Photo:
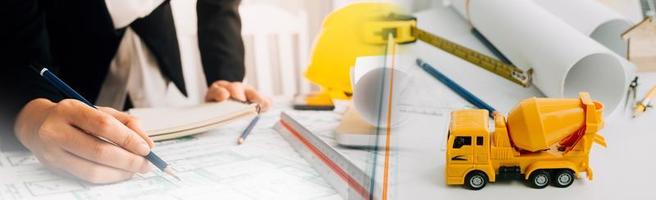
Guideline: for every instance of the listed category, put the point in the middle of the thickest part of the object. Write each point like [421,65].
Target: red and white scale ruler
[347,178]
[350,181]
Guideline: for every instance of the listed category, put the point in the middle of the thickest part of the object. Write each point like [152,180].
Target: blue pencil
[490,46]
[248,129]
[64,88]
[462,92]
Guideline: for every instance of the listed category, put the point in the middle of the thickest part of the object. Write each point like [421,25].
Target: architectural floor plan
[211,166]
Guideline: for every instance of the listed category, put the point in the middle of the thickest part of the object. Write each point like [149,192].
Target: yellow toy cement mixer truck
[544,141]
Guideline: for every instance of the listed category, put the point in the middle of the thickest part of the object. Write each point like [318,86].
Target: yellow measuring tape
[404,29]
[507,71]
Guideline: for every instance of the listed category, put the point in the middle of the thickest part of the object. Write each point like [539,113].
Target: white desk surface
[625,169]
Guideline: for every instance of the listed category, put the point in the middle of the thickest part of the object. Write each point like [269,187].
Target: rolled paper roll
[378,91]
[592,19]
[565,61]
[599,23]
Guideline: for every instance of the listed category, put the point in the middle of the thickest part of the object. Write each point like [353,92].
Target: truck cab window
[461,141]
[479,141]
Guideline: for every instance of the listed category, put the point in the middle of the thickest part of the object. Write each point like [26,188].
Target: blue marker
[64,88]
[462,92]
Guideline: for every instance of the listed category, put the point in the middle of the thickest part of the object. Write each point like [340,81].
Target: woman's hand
[65,136]
[223,90]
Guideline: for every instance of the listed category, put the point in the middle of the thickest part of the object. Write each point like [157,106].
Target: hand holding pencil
[100,145]
[64,137]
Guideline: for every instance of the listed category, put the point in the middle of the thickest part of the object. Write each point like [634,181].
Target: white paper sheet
[564,60]
[211,165]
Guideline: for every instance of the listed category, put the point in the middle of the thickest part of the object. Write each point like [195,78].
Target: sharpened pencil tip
[240,141]
[170,172]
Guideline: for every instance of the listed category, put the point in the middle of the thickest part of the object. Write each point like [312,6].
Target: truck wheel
[563,178]
[475,180]
[539,179]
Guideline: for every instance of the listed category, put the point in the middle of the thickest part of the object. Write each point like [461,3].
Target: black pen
[64,88]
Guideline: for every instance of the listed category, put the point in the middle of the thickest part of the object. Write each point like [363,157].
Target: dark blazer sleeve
[24,42]
[220,41]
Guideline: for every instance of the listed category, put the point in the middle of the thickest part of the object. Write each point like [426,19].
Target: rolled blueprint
[378,91]
[592,19]
[598,22]
[565,61]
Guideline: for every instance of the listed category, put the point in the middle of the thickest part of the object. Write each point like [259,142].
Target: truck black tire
[539,179]
[563,178]
[476,180]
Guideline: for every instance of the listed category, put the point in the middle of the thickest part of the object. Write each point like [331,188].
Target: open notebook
[175,122]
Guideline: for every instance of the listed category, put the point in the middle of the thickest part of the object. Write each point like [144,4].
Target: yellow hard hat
[340,42]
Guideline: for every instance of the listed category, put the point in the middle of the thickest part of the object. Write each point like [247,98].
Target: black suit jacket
[77,39]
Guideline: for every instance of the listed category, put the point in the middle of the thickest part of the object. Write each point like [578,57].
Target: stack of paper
[171,123]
